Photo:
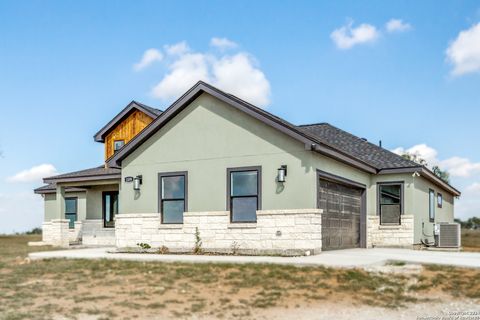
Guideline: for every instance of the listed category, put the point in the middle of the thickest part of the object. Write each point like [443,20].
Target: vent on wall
[447,235]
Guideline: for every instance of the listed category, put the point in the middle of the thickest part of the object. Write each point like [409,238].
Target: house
[243,180]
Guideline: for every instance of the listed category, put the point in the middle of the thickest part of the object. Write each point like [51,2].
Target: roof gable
[134,105]
[283,126]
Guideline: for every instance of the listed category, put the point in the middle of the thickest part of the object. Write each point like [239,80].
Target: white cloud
[473,188]
[34,174]
[346,37]
[237,73]
[177,48]
[422,151]
[149,56]
[460,167]
[223,43]
[464,52]
[397,25]
[469,203]
[184,73]
[456,166]
[20,212]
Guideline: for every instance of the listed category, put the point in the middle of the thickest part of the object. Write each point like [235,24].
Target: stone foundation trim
[239,225]
[284,232]
[56,232]
[95,234]
[397,236]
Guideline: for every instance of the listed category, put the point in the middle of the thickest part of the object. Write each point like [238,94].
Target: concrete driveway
[350,258]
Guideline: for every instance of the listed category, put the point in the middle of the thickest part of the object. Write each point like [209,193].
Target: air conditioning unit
[447,235]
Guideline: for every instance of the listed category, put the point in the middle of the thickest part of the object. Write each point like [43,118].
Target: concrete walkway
[350,258]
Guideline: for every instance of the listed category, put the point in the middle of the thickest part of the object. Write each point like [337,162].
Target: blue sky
[67,67]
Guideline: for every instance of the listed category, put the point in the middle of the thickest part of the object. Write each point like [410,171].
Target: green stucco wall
[50,206]
[421,202]
[89,203]
[208,137]
[94,200]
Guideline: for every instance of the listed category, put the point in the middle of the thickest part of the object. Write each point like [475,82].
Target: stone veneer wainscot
[282,232]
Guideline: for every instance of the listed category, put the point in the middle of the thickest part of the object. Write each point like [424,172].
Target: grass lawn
[471,240]
[106,289]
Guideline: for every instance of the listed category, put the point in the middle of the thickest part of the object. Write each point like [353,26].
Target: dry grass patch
[471,240]
[126,289]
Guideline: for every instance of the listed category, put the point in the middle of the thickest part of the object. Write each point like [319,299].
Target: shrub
[198,242]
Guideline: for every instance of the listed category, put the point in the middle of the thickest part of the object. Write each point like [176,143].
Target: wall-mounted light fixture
[282,173]
[137,182]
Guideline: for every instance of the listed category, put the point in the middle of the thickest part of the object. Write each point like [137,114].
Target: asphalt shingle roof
[152,110]
[92,172]
[354,146]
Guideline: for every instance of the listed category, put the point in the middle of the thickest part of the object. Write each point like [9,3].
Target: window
[390,202]
[439,200]
[110,208]
[431,205]
[117,144]
[173,200]
[71,211]
[243,199]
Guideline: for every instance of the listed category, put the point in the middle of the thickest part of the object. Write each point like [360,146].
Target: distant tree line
[34,231]
[471,223]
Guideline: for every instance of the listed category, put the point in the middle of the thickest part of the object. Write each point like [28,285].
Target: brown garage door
[341,206]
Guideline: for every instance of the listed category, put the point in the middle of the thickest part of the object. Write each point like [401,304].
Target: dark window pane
[172,211]
[390,214]
[173,187]
[390,194]
[72,218]
[110,203]
[108,209]
[70,205]
[244,209]
[118,144]
[432,205]
[243,183]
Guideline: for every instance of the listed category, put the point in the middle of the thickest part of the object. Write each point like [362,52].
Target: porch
[80,207]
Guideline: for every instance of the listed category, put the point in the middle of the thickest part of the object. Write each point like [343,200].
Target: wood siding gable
[126,130]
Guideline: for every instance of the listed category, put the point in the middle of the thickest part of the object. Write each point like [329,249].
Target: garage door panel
[341,215]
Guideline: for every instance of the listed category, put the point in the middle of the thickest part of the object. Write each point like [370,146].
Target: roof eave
[426,173]
[84,178]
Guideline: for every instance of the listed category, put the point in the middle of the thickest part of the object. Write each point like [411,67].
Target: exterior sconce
[282,173]
[137,182]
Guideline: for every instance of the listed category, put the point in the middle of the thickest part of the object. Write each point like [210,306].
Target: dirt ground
[105,289]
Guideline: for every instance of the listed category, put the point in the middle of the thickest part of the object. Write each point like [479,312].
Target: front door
[110,208]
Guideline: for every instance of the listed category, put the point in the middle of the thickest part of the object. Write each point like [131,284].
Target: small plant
[198,242]
[144,246]
[235,246]
[163,250]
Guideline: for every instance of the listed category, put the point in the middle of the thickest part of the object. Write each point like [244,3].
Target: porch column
[57,233]
[60,205]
